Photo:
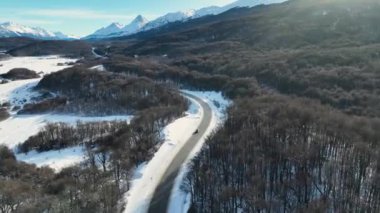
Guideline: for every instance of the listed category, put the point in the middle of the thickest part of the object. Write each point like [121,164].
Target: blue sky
[82,17]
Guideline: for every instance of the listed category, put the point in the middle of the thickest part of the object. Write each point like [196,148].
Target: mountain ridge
[116,29]
[12,29]
[181,16]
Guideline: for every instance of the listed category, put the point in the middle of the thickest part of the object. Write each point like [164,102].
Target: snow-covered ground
[45,64]
[18,128]
[19,92]
[56,159]
[98,68]
[176,134]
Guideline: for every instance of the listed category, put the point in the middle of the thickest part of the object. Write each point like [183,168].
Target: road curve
[161,197]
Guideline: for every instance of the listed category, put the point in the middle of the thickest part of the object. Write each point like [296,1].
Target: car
[196,132]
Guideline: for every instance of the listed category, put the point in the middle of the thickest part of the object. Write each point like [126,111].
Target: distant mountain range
[141,24]
[117,29]
[10,29]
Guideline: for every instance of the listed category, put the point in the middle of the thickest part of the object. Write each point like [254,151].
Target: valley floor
[19,128]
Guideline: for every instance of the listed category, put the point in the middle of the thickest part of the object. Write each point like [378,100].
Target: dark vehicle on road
[196,132]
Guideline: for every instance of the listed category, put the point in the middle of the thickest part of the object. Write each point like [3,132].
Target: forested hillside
[304,76]
[11,43]
[325,50]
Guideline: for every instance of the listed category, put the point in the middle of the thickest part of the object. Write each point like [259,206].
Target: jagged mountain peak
[117,25]
[117,29]
[138,22]
[140,18]
[135,26]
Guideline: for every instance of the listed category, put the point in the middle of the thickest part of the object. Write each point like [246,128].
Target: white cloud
[78,14]
[26,21]
[222,2]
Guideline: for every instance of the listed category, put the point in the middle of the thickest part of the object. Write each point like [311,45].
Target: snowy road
[161,196]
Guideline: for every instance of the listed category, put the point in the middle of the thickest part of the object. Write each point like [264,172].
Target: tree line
[55,136]
[3,113]
[180,75]
[88,92]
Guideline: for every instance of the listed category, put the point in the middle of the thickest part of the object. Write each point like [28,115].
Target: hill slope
[324,50]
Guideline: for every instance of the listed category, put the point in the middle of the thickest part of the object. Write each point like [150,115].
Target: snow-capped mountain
[136,25]
[116,29]
[169,18]
[106,31]
[139,24]
[144,25]
[214,10]
[10,29]
[62,36]
[250,3]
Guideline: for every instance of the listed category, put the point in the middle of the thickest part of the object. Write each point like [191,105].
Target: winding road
[161,197]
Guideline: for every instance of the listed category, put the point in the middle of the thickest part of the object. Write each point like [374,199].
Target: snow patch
[56,159]
[98,68]
[44,64]
[19,92]
[18,128]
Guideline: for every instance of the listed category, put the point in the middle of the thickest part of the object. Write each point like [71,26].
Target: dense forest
[11,43]
[151,66]
[87,92]
[75,49]
[276,154]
